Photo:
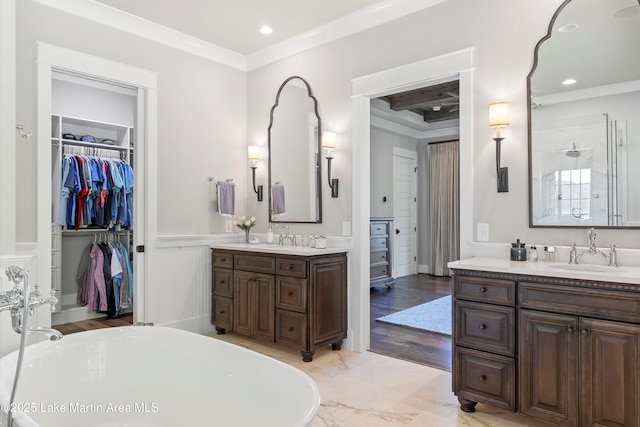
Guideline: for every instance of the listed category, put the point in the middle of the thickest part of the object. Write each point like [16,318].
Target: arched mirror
[584,117]
[294,155]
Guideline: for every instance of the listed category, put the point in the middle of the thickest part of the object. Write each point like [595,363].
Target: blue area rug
[432,316]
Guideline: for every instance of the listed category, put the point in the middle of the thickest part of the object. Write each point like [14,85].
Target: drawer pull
[483,289]
[291,329]
[483,377]
[221,282]
[570,329]
[290,293]
[382,243]
[483,326]
[223,259]
[290,267]
[222,312]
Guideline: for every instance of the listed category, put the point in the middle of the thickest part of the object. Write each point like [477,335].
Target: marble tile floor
[372,390]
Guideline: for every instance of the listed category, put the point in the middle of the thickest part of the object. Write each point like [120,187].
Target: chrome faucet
[284,237]
[574,256]
[591,241]
[17,299]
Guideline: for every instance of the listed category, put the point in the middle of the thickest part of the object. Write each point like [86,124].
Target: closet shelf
[56,141]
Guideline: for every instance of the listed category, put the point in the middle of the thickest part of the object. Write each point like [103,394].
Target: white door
[405,257]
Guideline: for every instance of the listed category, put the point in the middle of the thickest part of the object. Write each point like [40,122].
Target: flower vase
[246,236]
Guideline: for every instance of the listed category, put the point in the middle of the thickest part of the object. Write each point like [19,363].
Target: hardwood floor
[417,346]
[87,325]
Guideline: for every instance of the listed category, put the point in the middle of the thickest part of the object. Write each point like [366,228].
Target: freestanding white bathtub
[154,376]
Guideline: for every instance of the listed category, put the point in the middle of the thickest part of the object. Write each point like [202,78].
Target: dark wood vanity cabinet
[297,301]
[571,346]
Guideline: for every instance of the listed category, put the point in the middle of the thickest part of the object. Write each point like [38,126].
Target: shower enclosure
[579,171]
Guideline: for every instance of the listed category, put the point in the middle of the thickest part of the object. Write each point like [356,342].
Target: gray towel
[226,198]
[277,199]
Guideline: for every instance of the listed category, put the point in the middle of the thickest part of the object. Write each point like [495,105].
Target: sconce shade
[329,140]
[499,114]
[253,152]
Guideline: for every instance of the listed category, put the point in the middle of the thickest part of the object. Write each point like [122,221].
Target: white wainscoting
[180,288]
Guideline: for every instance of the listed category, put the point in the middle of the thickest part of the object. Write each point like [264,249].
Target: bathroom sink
[588,268]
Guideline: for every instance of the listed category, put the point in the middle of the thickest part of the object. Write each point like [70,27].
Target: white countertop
[602,273]
[277,249]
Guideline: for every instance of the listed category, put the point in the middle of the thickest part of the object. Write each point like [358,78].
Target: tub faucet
[18,298]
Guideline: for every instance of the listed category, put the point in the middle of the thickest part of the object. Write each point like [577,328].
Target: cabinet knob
[483,377]
[290,267]
[290,293]
[223,259]
[221,282]
[483,289]
[483,326]
[222,312]
[570,329]
[585,332]
[291,329]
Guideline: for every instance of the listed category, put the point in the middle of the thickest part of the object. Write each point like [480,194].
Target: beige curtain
[444,206]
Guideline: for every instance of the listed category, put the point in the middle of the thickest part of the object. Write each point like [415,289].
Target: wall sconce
[329,143]
[253,152]
[498,118]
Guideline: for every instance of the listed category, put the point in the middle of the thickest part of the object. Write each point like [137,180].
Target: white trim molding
[363,19]
[458,64]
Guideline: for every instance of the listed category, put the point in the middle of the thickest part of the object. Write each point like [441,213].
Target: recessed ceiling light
[567,28]
[569,82]
[265,29]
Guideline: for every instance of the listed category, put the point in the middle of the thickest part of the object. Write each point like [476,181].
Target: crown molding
[120,20]
[352,23]
[347,25]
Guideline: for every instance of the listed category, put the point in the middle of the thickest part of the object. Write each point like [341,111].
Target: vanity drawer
[485,377]
[486,290]
[222,312]
[378,229]
[613,305]
[379,271]
[291,328]
[222,260]
[485,327]
[291,267]
[291,294]
[222,282]
[257,263]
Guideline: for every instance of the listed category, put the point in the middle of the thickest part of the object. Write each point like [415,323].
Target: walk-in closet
[92,184]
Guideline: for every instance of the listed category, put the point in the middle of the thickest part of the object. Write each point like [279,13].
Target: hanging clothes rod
[91,232]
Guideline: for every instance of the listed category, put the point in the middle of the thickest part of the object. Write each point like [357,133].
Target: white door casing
[406,77]
[51,58]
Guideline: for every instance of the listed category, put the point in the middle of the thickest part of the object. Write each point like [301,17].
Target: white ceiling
[235,24]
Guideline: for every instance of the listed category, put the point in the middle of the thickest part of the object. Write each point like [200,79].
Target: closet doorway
[86,120]
[92,190]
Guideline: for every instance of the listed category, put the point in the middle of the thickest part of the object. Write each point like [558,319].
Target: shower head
[573,152]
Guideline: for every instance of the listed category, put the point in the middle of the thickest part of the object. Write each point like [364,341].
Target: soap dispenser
[269,234]
[518,251]
[533,253]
